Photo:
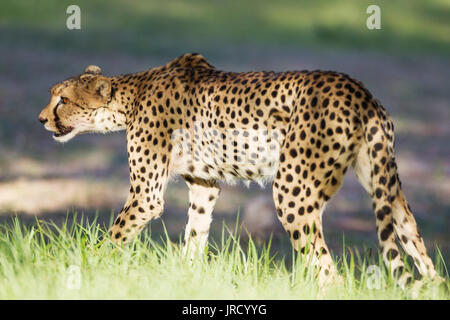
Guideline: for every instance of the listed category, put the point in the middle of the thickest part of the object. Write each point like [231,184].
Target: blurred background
[405,65]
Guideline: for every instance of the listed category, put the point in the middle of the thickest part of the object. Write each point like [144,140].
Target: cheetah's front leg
[134,216]
[148,179]
[202,198]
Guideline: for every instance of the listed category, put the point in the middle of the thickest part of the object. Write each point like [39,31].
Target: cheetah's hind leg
[300,193]
[202,198]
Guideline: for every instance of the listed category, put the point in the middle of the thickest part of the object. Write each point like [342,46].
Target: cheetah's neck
[125,90]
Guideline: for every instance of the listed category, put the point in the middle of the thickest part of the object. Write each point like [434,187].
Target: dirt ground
[90,174]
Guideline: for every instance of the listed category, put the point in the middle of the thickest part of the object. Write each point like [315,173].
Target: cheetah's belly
[258,171]
[244,155]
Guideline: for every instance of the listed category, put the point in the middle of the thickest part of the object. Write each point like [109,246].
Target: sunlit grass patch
[76,261]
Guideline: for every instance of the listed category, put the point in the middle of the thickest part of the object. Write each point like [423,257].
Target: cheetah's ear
[102,87]
[95,70]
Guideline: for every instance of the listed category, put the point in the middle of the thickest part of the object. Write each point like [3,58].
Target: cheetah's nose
[42,120]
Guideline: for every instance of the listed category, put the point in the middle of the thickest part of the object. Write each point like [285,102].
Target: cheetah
[301,130]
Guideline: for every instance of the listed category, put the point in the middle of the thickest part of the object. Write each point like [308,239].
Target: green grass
[39,261]
[160,27]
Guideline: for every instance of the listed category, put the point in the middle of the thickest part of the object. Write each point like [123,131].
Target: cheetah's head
[82,104]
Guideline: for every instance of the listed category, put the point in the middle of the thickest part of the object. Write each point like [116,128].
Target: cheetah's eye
[64,100]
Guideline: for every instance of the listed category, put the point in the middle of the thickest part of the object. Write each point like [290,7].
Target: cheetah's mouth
[62,131]
[65,134]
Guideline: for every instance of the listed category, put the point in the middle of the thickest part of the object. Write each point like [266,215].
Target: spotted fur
[303,129]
